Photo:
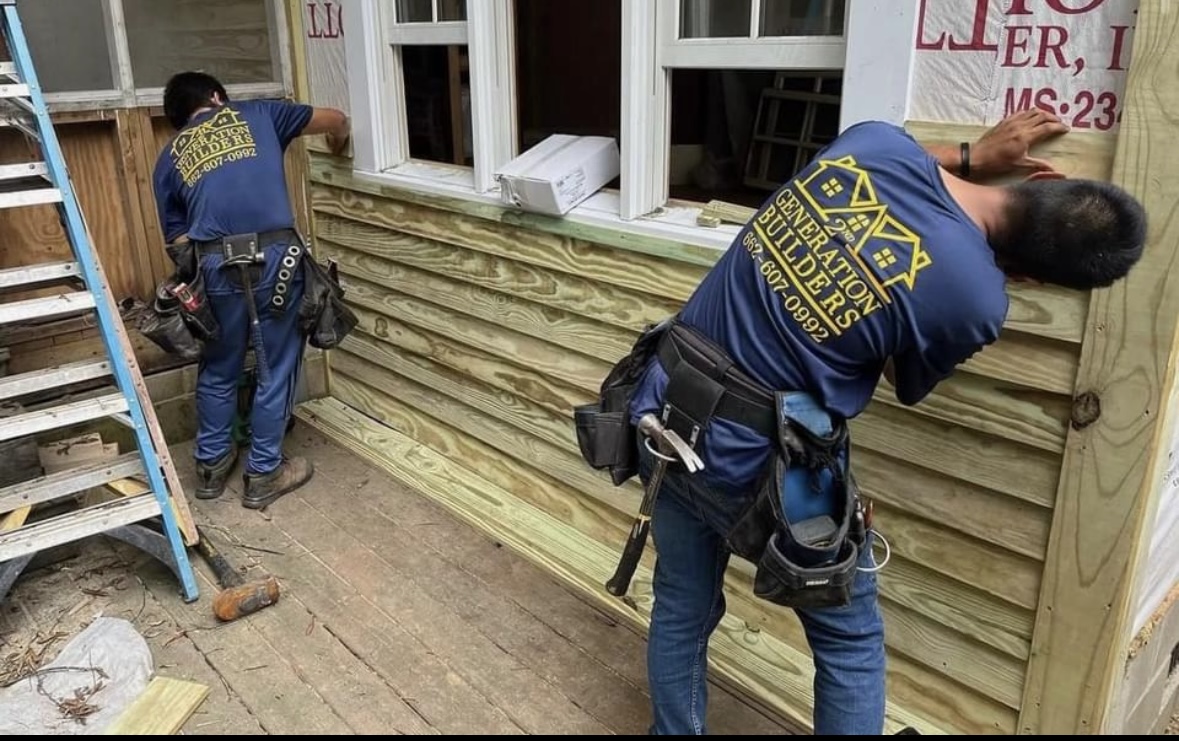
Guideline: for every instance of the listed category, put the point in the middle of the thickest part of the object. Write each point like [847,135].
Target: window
[707,98]
[97,53]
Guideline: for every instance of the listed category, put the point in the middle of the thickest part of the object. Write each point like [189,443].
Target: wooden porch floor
[395,617]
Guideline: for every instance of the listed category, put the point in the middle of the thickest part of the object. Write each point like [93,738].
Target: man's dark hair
[1075,233]
[188,92]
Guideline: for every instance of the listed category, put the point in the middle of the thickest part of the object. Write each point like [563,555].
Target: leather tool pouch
[806,559]
[323,316]
[605,435]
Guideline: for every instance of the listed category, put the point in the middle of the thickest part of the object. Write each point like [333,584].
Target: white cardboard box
[559,173]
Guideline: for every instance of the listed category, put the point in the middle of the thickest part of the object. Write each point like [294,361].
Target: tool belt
[248,250]
[804,539]
[324,318]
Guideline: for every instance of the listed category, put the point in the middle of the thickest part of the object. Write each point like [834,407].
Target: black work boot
[212,477]
[262,489]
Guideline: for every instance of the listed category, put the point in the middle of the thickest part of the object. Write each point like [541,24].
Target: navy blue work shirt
[222,174]
[863,256]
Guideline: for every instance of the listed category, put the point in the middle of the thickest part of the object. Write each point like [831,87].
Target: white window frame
[377,87]
[877,66]
[125,94]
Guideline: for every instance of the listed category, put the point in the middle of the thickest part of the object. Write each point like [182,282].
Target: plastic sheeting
[112,645]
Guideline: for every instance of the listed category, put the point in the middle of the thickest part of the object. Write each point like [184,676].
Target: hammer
[237,598]
[669,447]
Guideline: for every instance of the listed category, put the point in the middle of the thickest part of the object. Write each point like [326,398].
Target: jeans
[847,642]
[222,364]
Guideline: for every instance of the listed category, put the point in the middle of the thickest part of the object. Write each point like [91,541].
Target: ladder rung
[41,308]
[34,274]
[77,525]
[8,69]
[49,378]
[23,170]
[17,90]
[31,423]
[69,481]
[25,127]
[33,197]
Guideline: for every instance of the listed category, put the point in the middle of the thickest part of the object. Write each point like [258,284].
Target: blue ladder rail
[91,272]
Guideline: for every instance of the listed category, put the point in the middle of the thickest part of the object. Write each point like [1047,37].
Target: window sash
[651,49]
[126,94]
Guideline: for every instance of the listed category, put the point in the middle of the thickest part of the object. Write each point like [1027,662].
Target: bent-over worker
[220,184]
[879,258]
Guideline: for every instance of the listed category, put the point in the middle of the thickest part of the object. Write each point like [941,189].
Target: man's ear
[1046,175]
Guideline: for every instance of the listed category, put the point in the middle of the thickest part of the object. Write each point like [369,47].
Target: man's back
[222,174]
[864,256]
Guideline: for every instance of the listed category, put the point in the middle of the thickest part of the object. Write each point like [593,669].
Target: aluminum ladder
[125,396]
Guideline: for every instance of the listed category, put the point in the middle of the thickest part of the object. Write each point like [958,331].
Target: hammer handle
[637,539]
[226,575]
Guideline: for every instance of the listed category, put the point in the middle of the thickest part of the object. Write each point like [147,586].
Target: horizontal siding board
[571,331]
[543,390]
[993,570]
[959,452]
[573,368]
[1012,523]
[595,299]
[601,522]
[968,611]
[638,272]
[1017,413]
[1030,361]
[924,639]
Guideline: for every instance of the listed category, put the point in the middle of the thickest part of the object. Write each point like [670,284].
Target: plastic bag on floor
[97,676]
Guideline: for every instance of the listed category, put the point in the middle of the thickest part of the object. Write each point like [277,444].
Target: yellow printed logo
[832,251]
[226,137]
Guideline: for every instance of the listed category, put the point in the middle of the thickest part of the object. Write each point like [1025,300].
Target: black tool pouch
[324,318]
[201,321]
[810,563]
[162,323]
[605,435]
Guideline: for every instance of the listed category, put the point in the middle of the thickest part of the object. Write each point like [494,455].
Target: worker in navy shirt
[222,175]
[876,259]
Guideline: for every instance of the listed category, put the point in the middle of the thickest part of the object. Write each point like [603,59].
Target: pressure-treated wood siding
[477,337]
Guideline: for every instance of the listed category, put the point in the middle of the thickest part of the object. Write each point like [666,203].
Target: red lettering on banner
[1115,62]
[332,16]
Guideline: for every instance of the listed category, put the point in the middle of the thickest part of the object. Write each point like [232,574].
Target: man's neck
[984,204]
[205,109]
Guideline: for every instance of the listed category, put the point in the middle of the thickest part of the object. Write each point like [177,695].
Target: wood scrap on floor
[161,710]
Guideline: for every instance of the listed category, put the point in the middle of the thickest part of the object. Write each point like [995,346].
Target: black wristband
[964,165]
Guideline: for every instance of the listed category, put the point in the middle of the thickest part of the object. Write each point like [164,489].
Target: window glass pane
[802,17]
[69,44]
[415,11]
[452,10]
[229,39]
[714,18]
[737,135]
[563,48]
[438,103]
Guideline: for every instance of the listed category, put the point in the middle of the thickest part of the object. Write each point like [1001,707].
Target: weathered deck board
[410,668]
[563,550]
[603,639]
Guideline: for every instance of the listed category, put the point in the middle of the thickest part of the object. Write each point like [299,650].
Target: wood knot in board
[1086,410]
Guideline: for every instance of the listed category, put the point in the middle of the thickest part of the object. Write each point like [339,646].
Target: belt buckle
[242,249]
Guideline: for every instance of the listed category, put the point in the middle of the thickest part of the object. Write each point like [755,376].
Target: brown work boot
[262,489]
[212,477]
